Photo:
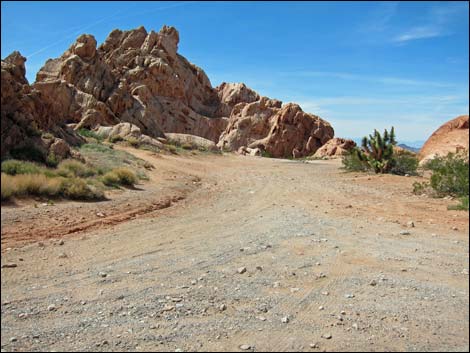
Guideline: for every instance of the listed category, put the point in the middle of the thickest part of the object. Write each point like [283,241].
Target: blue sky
[359,65]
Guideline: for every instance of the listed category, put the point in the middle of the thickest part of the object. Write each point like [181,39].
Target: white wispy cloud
[436,22]
[419,33]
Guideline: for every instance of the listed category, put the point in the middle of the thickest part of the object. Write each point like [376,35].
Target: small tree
[377,151]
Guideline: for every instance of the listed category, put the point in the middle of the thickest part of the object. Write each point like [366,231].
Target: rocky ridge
[138,77]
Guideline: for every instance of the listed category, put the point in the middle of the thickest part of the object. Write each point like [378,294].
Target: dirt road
[256,254]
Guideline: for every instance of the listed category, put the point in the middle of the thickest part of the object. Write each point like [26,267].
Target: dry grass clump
[119,176]
[22,185]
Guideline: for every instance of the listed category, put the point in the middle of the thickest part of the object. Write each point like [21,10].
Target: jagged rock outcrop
[26,111]
[450,137]
[335,148]
[137,77]
[281,131]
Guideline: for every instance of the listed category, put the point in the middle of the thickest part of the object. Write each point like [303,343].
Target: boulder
[450,137]
[195,142]
[335,148]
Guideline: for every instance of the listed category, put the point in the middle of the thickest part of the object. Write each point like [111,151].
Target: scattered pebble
[245,347]
[285,320]
[373,282]
[103,274]
[13,339]
[349,296]
[241,270]
[51,307]
[223,307]
[327,336]
[405,232]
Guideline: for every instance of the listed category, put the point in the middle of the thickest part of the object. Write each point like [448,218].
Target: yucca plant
[377,151]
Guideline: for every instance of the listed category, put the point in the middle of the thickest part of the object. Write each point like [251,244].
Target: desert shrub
[51,160]
[420,188]
[172,149]
[377,151]
[13,167]
[6,187]
[78,189]
[90,134]
[70,167]
[134,142]
[30,184]
[187,146]
[462,206]
[119,176]
[110,179]
[115,138]
[266,154]
[126,176]
[404,163]
[29,152]
[352,163]
[450,175]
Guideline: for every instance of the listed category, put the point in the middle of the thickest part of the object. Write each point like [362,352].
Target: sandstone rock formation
[450,137]
[255,152]
[281,131]
[196,142]
[335,148]
[137,77]
[25,111]
[127,132]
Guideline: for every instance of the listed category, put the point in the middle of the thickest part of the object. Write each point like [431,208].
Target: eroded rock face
[450,137]
[26,111]
[335,148]
[281,131]
[137,77]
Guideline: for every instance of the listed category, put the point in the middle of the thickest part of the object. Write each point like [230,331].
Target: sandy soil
[327,267]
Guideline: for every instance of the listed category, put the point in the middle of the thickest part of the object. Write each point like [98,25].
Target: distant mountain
[409,148]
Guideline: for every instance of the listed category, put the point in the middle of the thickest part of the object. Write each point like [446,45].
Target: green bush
[187,146]
[52,160]
[115,138]
[266,154]
[90,134]
[462,206]
[13,167]
[450,175]
[377,151]
[133,142]
[352,163]
[404,163]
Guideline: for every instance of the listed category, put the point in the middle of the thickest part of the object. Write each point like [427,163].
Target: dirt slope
[309,236]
